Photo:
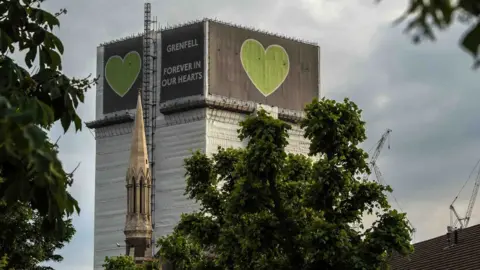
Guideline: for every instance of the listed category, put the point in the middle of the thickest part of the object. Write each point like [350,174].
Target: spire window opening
[142,198]
[128,198]
[131,195]
[134,197]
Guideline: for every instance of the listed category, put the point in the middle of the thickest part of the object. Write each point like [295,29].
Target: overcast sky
[426,94]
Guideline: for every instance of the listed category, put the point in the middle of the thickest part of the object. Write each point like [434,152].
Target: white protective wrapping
[176,136]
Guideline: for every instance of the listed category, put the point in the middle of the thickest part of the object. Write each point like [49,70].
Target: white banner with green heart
[121,73]
[266,68]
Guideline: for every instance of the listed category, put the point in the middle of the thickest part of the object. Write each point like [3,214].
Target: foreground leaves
[31,101]
[426,18]
[3,262]
[26,242]
[262,208]
[127,263]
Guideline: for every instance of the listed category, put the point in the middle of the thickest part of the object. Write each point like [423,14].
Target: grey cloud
[433,97]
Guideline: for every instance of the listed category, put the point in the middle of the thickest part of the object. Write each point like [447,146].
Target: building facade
[200,112]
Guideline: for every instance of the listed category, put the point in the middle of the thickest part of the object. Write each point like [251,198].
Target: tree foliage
[31,101]
[3,262]
[127,263]
[426,18]
[120,263]
[34,95]
[262,208]
[25,242]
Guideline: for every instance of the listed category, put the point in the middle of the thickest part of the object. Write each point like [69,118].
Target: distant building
[198,81]
[456,250]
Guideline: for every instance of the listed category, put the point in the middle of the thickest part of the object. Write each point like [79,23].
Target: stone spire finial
[138,152]
[138,224]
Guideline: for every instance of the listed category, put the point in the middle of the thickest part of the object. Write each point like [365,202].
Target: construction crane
[377,149]
[376,153]
[455,218]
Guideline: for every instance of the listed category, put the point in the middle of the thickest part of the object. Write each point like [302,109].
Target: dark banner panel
[122,74]
[182,62]
[254,66]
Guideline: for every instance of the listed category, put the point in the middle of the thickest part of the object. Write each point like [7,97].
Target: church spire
[138,222]
[138,151]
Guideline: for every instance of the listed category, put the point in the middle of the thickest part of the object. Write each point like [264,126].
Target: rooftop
[187,23]
[440,253]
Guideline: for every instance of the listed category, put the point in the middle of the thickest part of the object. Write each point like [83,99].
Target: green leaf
[35,136]
[74,100]
[38,15]
[58,43]
[50,19]
[78,122]
[39,37]
[47,112]
[66,121]
[22,117]
[47,60]
[56,61]
[43,60]
[5,41]
[471,40]
[30,56]
[81,97]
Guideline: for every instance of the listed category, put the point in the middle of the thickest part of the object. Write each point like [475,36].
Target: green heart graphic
[121,74]
[267,69]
